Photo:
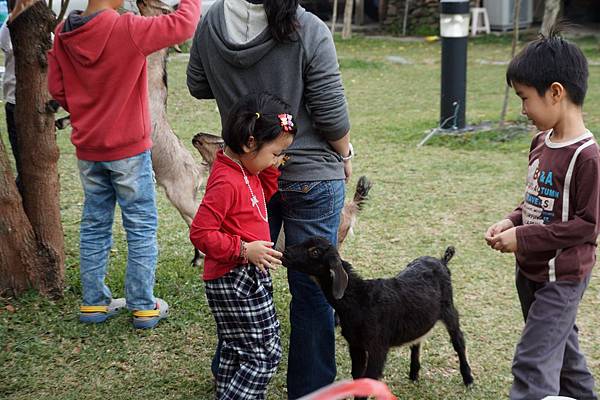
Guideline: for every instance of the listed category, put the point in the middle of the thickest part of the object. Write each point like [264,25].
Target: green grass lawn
[423,199]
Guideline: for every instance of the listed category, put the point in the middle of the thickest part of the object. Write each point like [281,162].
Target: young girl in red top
[231,228]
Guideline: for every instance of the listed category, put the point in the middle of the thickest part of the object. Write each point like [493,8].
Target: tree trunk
[516,18]
[551,10]
[38,153]
[382,11]
[334,16]
[17,241]
[347,29]
[405,18]
[359,12]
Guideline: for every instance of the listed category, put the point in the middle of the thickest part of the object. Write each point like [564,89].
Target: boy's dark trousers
[547,358]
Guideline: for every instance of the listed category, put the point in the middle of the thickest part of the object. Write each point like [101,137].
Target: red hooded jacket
[97,72]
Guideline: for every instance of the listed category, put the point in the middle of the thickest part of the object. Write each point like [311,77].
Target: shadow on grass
[513,136]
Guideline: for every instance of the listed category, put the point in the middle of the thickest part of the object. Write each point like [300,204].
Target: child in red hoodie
[97,72]
[231,227]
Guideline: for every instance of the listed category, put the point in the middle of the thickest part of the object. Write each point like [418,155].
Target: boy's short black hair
[255,115]
[551,59]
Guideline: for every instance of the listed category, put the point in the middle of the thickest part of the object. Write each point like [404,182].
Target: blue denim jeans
[130,182]
[308,209]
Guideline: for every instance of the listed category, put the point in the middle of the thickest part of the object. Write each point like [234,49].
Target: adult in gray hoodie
[243,47]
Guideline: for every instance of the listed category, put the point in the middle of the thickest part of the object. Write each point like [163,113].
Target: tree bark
[347,29]
[551,10]
[38,156]
[17,240]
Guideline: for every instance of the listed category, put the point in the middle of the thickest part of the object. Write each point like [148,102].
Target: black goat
[377,314]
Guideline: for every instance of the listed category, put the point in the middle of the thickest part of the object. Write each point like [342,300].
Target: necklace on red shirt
[253,198]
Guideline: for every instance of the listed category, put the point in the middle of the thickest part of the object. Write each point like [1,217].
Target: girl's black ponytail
[281,16]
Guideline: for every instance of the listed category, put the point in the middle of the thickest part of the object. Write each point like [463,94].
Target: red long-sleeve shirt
[97,72]
[227,216]
[559,219]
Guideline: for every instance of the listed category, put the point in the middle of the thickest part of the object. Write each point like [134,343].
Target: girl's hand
[262,254]
[497,229]
[506,242]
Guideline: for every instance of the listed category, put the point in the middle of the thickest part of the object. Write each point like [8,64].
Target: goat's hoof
[197,261]
[468,381]
[413,377]
[63,122]
[52,106]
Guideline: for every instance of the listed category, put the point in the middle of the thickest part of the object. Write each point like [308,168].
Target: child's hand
[262,254]
[506,242]
[497,229]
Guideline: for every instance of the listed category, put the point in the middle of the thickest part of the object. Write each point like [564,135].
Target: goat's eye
[314,252]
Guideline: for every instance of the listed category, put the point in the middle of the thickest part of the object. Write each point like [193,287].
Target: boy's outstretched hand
[502,236]
[262,254]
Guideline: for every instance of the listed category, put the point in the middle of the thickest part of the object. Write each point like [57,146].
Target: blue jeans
[308,209]
[130,182]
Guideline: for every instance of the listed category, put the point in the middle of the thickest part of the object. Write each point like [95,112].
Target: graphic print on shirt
[540,196]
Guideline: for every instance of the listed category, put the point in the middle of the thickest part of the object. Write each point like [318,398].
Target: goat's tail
[362,191]
[448,255]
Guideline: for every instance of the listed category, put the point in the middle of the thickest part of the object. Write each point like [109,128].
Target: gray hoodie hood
[85,38]
[239,55]
[76,19]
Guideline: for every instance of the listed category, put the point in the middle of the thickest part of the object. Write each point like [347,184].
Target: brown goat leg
[174,167]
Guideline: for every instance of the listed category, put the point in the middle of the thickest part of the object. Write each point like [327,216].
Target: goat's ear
[346,265]
[340,279]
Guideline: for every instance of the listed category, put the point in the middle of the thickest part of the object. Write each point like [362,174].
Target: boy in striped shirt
[553,231]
